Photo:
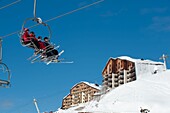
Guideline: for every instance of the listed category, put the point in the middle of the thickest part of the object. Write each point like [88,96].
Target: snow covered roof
[67,96]
[89,84]
[96,86]
[138,61]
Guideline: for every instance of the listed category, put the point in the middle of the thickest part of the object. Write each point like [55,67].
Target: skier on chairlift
[41,43]
[50,51]
[29,39]
[34,40]
[46,51]
[25,39]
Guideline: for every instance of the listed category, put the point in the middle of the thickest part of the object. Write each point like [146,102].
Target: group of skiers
[29,39]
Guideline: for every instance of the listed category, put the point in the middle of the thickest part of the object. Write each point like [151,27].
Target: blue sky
[139,29]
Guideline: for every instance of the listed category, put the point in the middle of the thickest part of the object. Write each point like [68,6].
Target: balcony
[116,80]
[121,72]
[105,83]
[116,85]
[110,80]
[106,76]
[110,85]
[129,76]
[133,74]
[121,82]
[129,80]
[116,75]
[134,78]
[110,76]
[132,70]
[105,79]
[121,77]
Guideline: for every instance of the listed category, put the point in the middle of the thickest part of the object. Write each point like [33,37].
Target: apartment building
[124,69]
[80,93]
[117,72]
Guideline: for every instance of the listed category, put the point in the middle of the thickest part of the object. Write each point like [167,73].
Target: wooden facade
[80,93]
[117,72]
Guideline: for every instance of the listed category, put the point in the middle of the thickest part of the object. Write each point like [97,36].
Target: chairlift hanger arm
[35,19]
[0,49]
[35,3]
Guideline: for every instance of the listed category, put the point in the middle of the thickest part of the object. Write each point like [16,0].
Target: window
[77,86]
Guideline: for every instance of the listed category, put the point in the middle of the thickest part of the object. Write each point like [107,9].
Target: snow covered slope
[151,92]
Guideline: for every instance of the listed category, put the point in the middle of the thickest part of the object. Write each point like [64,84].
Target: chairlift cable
[74,10]
[54,18]
[10,4]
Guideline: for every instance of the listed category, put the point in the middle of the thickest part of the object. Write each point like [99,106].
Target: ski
[54,58]
[60,61]
[47,48]
[59,54]
[36,58]
[64,62]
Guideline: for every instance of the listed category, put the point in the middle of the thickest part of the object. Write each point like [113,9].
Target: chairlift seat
[4,82]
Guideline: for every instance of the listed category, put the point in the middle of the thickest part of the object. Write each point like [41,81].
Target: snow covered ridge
[151,92]
[144,66]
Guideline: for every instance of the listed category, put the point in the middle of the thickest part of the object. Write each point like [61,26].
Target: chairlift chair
[6,72]
[38,22]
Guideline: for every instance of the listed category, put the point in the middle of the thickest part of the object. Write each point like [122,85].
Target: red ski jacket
[25,36]
[41,44]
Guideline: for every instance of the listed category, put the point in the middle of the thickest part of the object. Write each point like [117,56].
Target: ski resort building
[124,69]
[80,93]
